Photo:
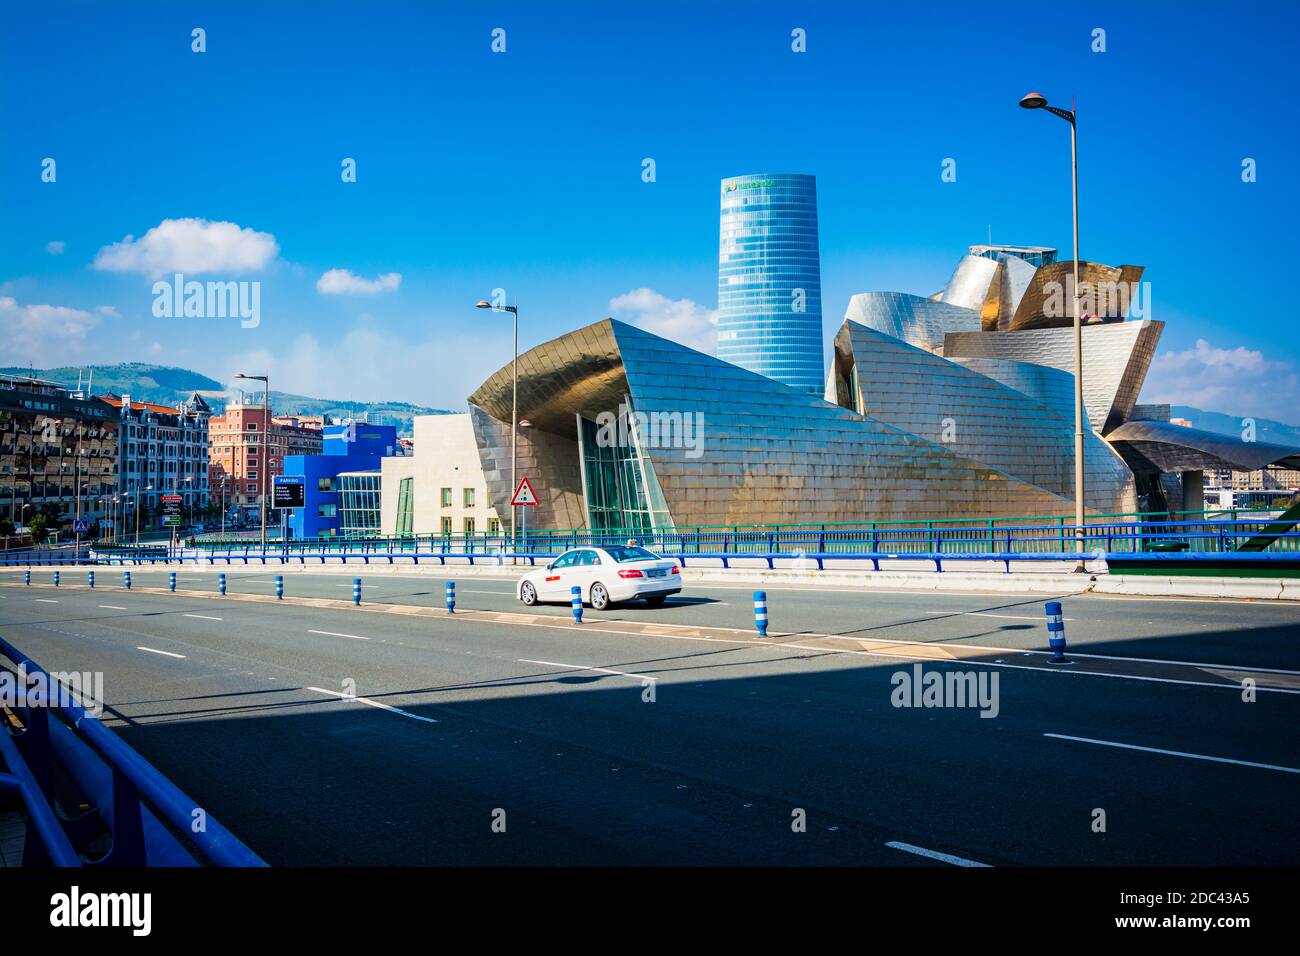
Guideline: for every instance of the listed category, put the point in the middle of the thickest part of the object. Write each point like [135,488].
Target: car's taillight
[676,569]
[630,573]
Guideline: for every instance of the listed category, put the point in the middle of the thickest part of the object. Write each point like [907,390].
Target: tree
[39,527]
[6,527]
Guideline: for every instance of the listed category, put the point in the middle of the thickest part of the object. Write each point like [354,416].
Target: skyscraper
[769,278]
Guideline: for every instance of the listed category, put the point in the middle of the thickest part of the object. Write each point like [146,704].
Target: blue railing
[149,821]
[1005,544]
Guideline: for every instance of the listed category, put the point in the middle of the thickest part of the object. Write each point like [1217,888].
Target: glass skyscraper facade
[769,279]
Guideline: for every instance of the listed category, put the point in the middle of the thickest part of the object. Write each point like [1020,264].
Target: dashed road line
[153,650]
[374,703]
[355,637]
[933,854]
[202,617]
[1176,753]
[584,667]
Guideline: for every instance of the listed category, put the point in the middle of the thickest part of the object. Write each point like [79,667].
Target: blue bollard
[451,597]
[27,577]
[56,579]
[577,603]
[221,583]
[90,579]
[760,612]
[171,580]
[356,591]
[1055,632]
[279,587]
[126,580]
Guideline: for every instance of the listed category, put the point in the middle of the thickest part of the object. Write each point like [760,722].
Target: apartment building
[162,450]
[247,448]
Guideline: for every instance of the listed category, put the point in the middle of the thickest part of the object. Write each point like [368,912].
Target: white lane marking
[163,653]
[355,637]
[1176,753]
[113,607]
[583,667]
[825,651]
[46,601]
[933,854]
[202,617]
[375,703]
[460,590]
[1005,617]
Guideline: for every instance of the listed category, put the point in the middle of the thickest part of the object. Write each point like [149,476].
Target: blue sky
[522,171]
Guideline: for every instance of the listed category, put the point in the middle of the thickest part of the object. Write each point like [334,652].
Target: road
[698,744]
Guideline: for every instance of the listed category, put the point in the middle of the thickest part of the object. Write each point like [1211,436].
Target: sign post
[288,492]
[524,496]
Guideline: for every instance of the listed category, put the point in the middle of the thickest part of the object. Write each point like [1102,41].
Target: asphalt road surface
[695,744]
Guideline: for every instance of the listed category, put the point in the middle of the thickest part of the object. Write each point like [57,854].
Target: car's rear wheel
[599,597]
[528,593]
[655,600]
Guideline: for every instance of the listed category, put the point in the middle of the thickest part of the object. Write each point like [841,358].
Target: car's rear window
[622,553]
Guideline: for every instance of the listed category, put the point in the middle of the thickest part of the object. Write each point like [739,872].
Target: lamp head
[1033,101]
[483,304]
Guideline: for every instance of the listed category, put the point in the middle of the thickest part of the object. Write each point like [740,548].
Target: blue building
[337,482]
[769,279]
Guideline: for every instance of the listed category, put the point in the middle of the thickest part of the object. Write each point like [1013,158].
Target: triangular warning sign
[524,494]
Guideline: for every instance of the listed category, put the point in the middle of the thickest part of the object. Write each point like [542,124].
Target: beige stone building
[440,489]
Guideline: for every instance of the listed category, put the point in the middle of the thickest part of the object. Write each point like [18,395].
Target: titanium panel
[1167,447]
[1116,358]
[982,419]
[916,320]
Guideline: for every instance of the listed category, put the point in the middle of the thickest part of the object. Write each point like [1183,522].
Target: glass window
[469,497]
[469,526]
[621,553]
[324,484]
[445,498]
[446,525]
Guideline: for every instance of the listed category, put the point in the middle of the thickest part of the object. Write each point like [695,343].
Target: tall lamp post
[514,411]
[137,509]
[261,458]
[1037,101]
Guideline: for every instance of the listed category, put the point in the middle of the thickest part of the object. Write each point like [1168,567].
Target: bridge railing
[64,756]
[1032,542]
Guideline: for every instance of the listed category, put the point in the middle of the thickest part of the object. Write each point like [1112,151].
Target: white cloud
[343,282]
[190,246]
[681,320]
[42,334]
[54,248]
[369,363]
[109,311]
[1235,381]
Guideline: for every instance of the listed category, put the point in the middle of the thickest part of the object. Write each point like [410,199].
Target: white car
[606,575]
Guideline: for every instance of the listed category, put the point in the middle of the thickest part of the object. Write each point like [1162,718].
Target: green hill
[167,385]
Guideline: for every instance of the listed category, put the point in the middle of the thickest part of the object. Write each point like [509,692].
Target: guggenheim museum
[959,405]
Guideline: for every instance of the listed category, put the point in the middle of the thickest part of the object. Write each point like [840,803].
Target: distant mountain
[167,385]
[1266,430]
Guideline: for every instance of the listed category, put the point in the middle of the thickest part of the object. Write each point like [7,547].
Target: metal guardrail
[149,820]
[1033,542]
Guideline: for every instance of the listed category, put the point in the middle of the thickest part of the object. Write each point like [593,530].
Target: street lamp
[261,459]
[137,509]
[514,411]
[1037,101]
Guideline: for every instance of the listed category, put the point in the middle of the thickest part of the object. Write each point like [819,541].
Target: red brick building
[245,456]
